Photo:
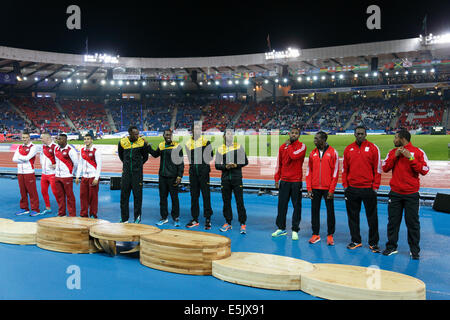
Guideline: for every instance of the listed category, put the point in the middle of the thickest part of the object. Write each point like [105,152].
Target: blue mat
[29,272]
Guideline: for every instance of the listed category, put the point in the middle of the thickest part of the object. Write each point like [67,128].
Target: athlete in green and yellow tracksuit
[230,159]
[133,152]
[170,174]
[200,154]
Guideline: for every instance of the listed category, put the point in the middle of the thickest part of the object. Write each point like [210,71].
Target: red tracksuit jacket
[405,173]
[290,162]
[361,166]
[323,172]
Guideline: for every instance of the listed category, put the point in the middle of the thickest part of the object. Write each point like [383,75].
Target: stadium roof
[41,69]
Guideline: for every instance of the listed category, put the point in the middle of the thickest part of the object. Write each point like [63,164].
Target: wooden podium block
[260,270]
[67,234]
[344,282]
[105,235]
[2,220]
[18,232]
[183,251]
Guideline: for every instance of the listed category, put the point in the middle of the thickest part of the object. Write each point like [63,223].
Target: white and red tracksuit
[47,159]
[323,170]
[321,178]
[89,169]
[365,164]
[405,172]
[25,156]
[404,195]
[289,174]
[66,164]
[361,175]
[290,162]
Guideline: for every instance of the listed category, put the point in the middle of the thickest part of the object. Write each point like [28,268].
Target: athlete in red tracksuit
[89,169]
[321,179]
[48,165]
[288,179]
[25,156]
[66,164]
[361,178]
[407,163]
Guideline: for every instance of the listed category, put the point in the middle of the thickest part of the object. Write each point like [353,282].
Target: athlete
[407,162]
[171,170]
[230,159]
[288,179]
[89,170]
[66,165]
[48,165]
[25,156]
[361,177]
[133,152]
[321,179]
[200,154]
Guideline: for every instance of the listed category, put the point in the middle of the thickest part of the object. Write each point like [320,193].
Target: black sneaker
[375,248]
[389,251]
[354,245]
[207,224]
[192,224]
[414,256]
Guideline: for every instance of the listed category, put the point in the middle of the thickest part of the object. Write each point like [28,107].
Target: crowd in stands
[376,113]
[156,114]
[333,116]
[421,112]
[257,116]
[43,113]
[295,112]
[10,120]
[86,115]
[187,114]
[151,115]
[220,114]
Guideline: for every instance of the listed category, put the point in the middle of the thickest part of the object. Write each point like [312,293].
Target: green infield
[436,147]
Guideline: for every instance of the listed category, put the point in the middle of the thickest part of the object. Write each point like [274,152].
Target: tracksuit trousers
[46,181]
[200,183]
[166,187]
[318,194]
[289,191]
[27,186]
[410,204]
[131,182]
[64,191]
[233,186]
[88,198]
[353,198]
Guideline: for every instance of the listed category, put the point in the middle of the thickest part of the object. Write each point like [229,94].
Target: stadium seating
[219,114]
[156,114]
[333,116]
[86,115]
[421,112]
[10,121]
[43,113]
[376,113]
[256,116]
[293,113]
[187,114]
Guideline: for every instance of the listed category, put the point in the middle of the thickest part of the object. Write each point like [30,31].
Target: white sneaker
[162,221]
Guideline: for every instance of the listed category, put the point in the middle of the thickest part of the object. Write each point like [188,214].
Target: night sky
[214,28]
